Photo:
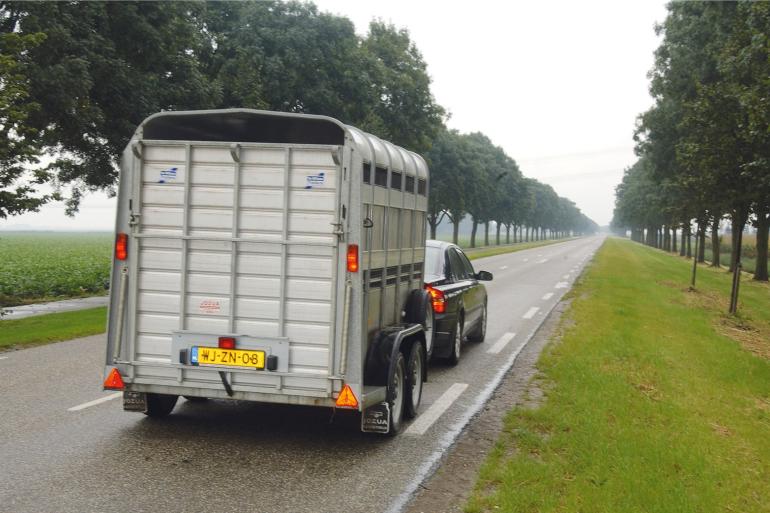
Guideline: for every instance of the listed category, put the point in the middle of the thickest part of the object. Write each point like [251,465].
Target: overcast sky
[557,84]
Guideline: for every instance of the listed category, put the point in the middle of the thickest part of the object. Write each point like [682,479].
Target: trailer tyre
[419,310]
[160,405]
[414,380]
[396,389]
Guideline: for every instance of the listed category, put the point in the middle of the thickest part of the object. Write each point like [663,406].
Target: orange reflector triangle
[346,399]
[114,381]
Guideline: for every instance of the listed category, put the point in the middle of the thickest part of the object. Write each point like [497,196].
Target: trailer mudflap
[135,401]
[376,418]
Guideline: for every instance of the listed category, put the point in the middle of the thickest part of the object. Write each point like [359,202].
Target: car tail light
[226,343]
[114,381]
[437,299]
[353,258]
[347,398]
[121,246]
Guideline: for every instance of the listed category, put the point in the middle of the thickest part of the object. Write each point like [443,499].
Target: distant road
[66,446]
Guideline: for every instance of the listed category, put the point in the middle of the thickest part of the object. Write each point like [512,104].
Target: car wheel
[480,331]
[414,379]
[396,387]
[160,405]
[457,342]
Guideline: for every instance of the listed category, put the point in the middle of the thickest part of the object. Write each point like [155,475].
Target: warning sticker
[168,175]
[210,306]
[314,180]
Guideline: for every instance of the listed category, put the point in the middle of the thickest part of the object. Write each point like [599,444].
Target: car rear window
[433,261]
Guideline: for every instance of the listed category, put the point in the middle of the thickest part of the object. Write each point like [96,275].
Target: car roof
[439,244]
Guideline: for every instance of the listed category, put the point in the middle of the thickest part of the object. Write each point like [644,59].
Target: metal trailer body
[238,224]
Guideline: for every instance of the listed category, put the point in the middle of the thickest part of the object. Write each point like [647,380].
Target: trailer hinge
[338,231]
[133,218]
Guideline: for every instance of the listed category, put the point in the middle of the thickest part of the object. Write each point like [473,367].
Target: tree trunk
[455,230]
[738,220]
[473,233]
[689,241]
[763,227]
[497,235]
[702,244]
[683,244]
[733,244]
[673,239]
[508,233]
[526,234]
[715,243]
[486,233]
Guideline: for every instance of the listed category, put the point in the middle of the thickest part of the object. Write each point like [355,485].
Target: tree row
[704,146]
[76,78]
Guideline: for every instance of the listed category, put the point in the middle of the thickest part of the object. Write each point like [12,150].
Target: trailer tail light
[121,246]
[437,299]
[114,381]
[226,343]
[347,398]
[352,258]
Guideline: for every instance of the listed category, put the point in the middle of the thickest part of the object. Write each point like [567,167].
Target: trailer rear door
[234,239]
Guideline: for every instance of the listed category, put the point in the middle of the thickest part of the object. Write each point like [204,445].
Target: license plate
[229,357]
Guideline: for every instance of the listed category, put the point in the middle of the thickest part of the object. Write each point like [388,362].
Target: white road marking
[561,285]
[504,267]
[548,296]
[566,276]
[525,260]
[96,401]
[530,313]
[3,357]
[431,415]
[501,343]
[542,261]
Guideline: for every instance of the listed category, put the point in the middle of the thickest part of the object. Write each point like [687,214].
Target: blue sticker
[168,174]
[314,180]
[194,355]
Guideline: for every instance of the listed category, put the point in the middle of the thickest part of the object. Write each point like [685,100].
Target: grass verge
[655,400]
[41,329]
[486,251]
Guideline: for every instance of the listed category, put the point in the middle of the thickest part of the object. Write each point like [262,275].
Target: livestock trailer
[270,257]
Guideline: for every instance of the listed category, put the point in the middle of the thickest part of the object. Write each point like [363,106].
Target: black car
[459,300]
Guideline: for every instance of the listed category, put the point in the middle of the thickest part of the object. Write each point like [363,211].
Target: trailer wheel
[414,379]
[419,310]
[396,388]
[457,342]
[160,405]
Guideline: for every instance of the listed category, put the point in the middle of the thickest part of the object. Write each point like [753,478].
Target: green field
[41,266]
[655,399]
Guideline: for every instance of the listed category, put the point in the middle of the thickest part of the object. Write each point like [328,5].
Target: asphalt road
[66,446]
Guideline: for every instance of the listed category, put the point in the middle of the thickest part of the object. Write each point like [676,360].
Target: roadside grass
[486,251]
[655,400]
[42,329]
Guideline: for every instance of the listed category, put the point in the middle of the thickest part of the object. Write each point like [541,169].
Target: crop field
[39,266]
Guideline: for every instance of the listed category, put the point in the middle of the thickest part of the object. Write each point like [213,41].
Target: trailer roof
[249,125]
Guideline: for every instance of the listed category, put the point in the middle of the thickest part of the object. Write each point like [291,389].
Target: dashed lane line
[501,343]
[431,415]
[548,296]
[502,268]
[566,276]
[96,401]
[561,285]
[530,313]
[542,261]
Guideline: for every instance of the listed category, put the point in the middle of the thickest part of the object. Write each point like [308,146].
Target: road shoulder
[448,489]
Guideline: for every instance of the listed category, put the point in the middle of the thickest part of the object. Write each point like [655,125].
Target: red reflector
[226,343]
[437,299]
[121,246]
[346,399]
[353,258]
[114,381]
